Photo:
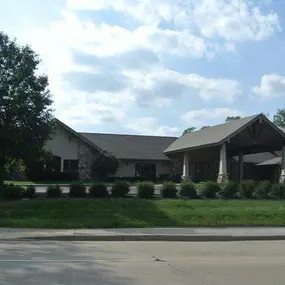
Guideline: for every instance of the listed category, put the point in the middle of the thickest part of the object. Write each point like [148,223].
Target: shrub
[29,192]
[145,190]
[262,190]
[11,192]
[98,190]
[53,191]
[169,190]
[77,191]
[246,189]
[188,190]
[120,189]
[208,189]
[228,190]
[277,191]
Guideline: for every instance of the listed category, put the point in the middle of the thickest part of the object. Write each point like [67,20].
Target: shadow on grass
[105,213]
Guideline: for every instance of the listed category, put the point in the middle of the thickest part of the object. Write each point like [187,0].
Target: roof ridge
[132,135]
[247,117]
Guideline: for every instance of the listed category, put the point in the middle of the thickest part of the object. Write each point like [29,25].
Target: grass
[124,213]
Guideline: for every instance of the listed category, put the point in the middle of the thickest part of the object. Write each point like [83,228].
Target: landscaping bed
[125,213]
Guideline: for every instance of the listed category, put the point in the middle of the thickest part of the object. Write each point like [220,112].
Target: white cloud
[208,116]
[164,83]
[235,20]
[125,69]
[150,126]
[271,85]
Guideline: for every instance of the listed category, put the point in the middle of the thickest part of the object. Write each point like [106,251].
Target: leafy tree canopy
[279,118]
[188,130]
[107,164]
[25,113]
[231,118]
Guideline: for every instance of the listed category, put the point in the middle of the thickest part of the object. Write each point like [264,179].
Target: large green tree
[25,103]
[279,118]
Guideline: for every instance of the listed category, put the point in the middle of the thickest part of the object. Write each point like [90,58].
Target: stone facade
[177,166]
[86,156]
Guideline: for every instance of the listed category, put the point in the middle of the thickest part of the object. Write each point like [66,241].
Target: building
[248,148]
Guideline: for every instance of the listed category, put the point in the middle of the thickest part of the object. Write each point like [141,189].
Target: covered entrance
[208,154]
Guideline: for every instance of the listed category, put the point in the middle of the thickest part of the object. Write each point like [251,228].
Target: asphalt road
[131,263]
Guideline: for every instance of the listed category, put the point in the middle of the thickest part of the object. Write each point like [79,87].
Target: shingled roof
[131,146]
[209,136]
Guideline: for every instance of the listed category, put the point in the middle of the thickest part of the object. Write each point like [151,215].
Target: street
[120,263]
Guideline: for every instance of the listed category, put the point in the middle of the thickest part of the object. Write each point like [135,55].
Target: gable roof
[132,146]
[216,135]
[78,135]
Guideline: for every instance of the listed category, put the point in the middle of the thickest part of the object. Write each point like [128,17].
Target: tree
[107,164]
[205,127]
[25,113]
[42,162]
[279,118]
[231,118]
[188,130]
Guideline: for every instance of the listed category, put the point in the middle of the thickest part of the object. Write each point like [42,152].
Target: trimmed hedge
[228,190]
[120,189]
[77,190]
[262,190]
[208,189]
[98,190]
[53,191]
[11,192]
[246,189]
[29,192]
[169,190]
[188,190]
[277,191]
[145,190]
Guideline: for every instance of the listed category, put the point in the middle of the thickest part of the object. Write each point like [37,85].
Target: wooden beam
[252,149]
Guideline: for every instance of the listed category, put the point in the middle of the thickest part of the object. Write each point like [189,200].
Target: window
[70,165]
[145,169]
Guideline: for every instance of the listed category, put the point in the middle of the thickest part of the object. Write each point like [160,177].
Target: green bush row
[247,189]
[16,192]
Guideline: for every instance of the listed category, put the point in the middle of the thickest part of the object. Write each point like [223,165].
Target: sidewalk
[145,234]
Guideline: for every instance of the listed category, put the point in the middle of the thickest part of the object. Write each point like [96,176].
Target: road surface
[131,263]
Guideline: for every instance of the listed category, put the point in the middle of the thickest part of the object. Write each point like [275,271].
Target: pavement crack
[186,273]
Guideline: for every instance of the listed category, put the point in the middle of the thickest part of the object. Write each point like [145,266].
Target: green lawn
[122,213]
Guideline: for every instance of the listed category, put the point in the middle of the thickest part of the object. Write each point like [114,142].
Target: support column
[282,172]
[240,166]
[186,176]
[223,172]
[61,164]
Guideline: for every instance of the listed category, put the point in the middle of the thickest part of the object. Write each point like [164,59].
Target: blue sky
[155,66]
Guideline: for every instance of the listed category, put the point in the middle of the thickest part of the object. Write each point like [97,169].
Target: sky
[154,67]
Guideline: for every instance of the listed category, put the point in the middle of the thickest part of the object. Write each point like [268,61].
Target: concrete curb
[146,237]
